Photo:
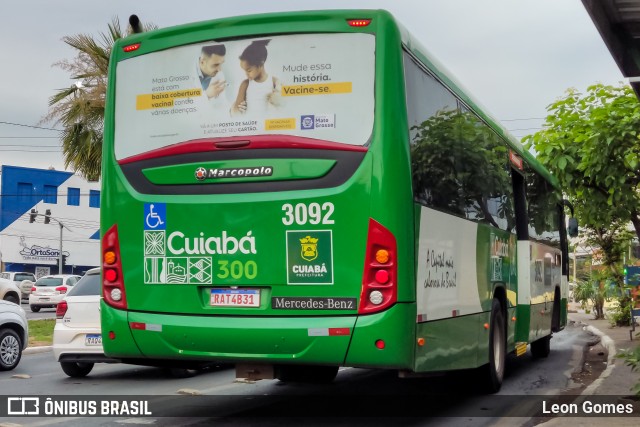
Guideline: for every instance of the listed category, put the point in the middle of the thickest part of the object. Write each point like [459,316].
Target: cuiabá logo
[309,250]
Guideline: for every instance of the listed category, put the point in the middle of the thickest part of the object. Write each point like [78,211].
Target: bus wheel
[181,372]
[541,348]
[76,370]
[307,374]
[555,316]
[493,372]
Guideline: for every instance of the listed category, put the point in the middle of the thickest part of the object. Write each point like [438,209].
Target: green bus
[297,192]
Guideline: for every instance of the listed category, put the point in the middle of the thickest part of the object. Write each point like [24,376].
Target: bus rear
[244,218]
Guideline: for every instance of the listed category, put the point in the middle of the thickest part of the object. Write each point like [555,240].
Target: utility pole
[47,219]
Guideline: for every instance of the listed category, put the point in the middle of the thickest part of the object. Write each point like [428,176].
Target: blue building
[37,207]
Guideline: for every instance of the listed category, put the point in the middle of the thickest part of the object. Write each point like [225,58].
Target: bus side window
[459,164]
[542,209]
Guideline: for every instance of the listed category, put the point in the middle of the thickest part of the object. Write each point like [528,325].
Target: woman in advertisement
[259,93]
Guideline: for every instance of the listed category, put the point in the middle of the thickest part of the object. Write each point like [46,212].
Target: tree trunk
[635,220]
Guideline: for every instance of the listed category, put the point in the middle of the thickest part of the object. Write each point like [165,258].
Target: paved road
[44,313]
[366,394]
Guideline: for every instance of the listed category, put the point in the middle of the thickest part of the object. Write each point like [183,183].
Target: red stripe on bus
[339,331]
[138,325]
[242,143]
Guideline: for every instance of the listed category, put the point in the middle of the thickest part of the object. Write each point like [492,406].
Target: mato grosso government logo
[309,257]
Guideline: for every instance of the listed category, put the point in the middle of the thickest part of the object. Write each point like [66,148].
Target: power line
[40,237]
[42,195]
[513,130]
[16,150]
[528,118]
[29,126]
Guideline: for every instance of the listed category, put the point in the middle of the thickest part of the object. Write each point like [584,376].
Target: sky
[515,57]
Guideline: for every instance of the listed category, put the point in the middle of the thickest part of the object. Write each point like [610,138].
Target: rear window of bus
[319,86]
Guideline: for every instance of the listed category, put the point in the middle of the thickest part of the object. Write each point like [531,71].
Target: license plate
[93,339]
[235,297]
[44,299]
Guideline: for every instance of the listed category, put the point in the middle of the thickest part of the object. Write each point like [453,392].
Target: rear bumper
[71,341]
[45,301]
[275,340]
[87,358]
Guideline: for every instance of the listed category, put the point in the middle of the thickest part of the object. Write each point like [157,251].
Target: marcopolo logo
[247,172]
[201,173]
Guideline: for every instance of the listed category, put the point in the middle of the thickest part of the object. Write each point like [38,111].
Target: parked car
[9,291]
[77,337]
[18,278]
[14,334]
[48,291]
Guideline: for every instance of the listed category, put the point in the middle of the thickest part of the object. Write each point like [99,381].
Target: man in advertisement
[211,77]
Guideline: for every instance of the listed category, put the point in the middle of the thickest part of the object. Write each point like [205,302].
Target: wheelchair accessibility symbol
[155,215]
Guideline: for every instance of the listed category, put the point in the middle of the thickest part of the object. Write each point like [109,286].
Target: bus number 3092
[303,213]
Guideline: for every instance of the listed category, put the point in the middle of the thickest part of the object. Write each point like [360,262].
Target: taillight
[61,289]
[131,47]
[33,289]
[358,22]
[380,278]
[112,279]
[61,309]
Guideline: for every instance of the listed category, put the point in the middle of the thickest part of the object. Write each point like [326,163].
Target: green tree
[591,143]
[79,109]
[593,293]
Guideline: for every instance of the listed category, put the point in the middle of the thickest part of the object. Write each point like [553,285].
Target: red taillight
[131,47]
[358,22]
[61,289]
[112,283]
[380,278]
[61,309]
[110,275]
[33,289]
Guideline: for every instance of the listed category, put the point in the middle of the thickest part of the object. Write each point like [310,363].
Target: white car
[21,279]
[14,334]
[77,338]
[48,291]
[9,291]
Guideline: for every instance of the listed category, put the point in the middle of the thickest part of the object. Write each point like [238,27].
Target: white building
[27,243]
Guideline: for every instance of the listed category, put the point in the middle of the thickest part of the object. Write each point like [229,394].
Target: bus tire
[76,369]
[541,348]
[307,374]
[493,372]
[555,314]
[181,372]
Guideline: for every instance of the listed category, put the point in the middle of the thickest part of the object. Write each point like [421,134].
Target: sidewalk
[617,380]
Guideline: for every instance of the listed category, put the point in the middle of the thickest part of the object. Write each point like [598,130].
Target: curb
[36,350]
[607,343]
